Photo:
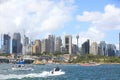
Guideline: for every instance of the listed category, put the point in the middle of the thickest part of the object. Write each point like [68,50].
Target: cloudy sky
[97,20]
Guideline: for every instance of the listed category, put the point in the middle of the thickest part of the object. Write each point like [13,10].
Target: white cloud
[92,34]
[34,16]
[100,22]
[109,20]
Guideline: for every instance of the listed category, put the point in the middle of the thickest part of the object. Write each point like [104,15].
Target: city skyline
[98,20]
[53,44]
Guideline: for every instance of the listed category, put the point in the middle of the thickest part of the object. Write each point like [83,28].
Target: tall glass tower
[68,43]
[16,43]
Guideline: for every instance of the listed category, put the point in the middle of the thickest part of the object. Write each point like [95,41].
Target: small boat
[20,65]
[55,70]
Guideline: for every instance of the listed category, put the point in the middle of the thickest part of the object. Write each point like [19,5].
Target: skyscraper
[16,44]
[68,43]
[25,44]
[94,48]
[37,47]
[51,44]
[102,50]
[111,49]
[86,47]
[6,43]
[58,44]
[44,46]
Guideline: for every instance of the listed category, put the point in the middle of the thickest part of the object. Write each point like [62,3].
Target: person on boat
[57,69]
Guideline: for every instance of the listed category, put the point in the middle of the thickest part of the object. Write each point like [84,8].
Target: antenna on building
[77,37]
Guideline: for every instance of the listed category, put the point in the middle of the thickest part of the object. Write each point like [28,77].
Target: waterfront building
[74,49]
[94,48]
[117,53]
[111,50]
[44,46]
[102,49]
[86,47]
[36,49]
[6,43]
[29,48]
[58,44]
[25,44]
[62,49]
[68,43]
[51,43]
[16,44]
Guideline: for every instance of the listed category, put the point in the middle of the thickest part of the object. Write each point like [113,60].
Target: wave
[31,75]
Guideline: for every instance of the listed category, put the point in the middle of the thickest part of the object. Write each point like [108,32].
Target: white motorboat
[56,71]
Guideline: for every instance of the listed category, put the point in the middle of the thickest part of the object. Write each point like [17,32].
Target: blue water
[72,72]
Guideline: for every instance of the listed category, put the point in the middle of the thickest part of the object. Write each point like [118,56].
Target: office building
[44,46]
[16,44]
[68,43]
[6,43]
[36,50]
[85,47]
[58,44]
[111,50]
[94,48]
[25,44]
[102,48]
[51,43]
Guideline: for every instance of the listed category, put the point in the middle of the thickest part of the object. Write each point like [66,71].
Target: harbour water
[71,72]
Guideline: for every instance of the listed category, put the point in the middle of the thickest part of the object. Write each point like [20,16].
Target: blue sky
[96,20]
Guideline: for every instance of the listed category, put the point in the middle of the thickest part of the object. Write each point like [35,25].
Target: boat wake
[31,75]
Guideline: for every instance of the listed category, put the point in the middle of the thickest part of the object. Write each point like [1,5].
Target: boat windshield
[57,69]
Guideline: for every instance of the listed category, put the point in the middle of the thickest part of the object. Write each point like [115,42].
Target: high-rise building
[94,48]
[86,47]
[37,47]
[16,44]
[111,49]
[68,43]
[6,43]
[74,49]
[58,44]
[25,44]
[102,49]
[51,44]
[44,46]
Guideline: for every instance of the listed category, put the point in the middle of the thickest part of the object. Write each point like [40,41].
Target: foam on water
[31,75]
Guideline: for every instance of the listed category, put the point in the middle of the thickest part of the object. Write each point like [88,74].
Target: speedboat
[21,67]
[55,70]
